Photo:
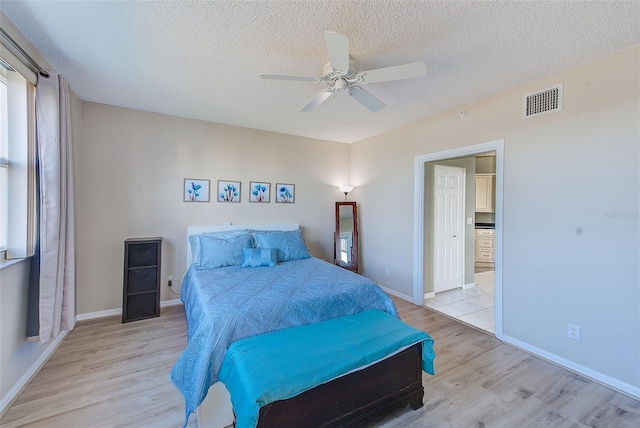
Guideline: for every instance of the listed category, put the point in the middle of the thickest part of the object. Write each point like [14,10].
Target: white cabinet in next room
[484,193]
[485,247]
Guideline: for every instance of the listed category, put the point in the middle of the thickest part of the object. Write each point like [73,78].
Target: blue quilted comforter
[231,303]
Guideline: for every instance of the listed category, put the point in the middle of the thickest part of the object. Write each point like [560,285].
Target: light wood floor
[108,374]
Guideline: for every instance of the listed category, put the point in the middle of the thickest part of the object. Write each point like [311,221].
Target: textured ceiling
[201,60]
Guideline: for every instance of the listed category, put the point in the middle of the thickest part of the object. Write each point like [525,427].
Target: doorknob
[454,236]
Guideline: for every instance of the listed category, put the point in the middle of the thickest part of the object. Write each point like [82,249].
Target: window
[4,166]
[17,164]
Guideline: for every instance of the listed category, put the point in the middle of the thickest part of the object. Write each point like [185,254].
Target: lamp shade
[345,189]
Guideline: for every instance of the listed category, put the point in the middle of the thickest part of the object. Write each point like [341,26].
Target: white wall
[16,355]
[130,167]
[565,260]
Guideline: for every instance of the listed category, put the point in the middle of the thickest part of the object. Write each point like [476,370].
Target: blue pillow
[215,252]
[194,242]
[289,243]
[259,257]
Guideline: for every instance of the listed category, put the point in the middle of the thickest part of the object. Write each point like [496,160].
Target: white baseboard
[15,391]
[429,295]
[167,303]
[613,383]
[468,286]
[397,294]
[118,311]
[98,314]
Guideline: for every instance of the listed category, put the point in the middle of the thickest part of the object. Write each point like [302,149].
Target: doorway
[423,225]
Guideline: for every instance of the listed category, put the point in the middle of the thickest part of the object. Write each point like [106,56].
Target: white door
[448,227]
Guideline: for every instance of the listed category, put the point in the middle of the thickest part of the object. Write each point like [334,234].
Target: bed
[227,303]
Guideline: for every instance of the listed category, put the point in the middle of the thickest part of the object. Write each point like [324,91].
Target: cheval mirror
[345,250]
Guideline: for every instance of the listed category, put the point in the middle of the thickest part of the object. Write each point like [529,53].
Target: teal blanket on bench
[275,366]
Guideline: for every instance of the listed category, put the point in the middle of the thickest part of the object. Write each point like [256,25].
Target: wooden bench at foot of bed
[343,372]
[354,399]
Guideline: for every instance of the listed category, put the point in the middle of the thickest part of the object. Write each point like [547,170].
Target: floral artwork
[196,190]
[285,193]
[259,192]
[228,191]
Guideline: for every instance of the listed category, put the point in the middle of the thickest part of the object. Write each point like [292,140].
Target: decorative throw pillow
[194,241]
[216,252]
[289,243]
[259,257]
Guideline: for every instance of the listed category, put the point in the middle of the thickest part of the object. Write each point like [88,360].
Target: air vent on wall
[542,102]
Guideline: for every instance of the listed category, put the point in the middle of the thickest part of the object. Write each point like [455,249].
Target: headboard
[194,230]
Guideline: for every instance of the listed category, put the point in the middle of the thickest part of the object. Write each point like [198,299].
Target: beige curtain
[57,264]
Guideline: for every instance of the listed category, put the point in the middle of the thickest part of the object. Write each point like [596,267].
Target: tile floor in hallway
[474,306]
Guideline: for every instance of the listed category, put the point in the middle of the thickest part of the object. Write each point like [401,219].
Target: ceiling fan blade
[288,77]
[338,48]
[398,72]
[316,101]
[366,98]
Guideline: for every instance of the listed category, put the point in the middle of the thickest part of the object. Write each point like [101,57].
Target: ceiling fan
[341,74]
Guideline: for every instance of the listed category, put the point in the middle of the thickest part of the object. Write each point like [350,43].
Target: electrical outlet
[169,280]
[386,271]
[574,332]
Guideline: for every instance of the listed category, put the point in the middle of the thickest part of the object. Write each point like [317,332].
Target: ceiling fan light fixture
[340,85]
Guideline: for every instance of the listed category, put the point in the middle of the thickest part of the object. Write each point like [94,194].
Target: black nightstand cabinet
[141,289]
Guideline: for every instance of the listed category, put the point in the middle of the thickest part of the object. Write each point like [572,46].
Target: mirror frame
[336,237]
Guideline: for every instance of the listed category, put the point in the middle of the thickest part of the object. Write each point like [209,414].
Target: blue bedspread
[231,303]
[279,365]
